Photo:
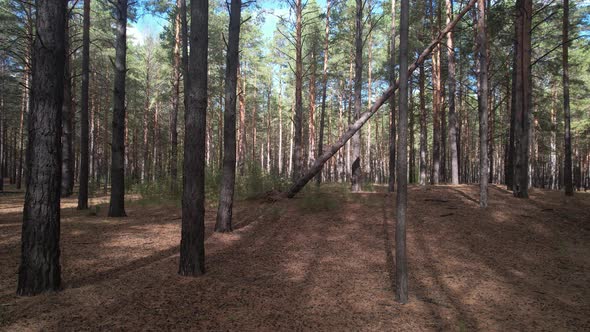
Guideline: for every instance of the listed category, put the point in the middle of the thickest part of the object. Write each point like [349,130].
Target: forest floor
[321,261]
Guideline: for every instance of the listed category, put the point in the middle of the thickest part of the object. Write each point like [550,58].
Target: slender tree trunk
[354,127]
[423,130]
[117,203]
[401,261]
[241,82]
[482,100]
[312,101]
[24,108]
[39,269]
[567,172]
[175,97]
[67,173]
[297,156]
[324,88]
[280,152]
[192,243]
[356,172]
[2,128]
[436,101]
[392,54]
[84,160]
[226,196]
[451,89]
[523,98]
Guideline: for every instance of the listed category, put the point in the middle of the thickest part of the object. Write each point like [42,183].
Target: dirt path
[322,261]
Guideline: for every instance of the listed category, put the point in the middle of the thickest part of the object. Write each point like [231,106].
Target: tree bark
[117,203]
[423,130]
[522,98]
[354,127]
[192,243]
[324,88]
[436,101]
[482,101]
[392,54]
[401,261]
[567,171]
[39,269]
[67,172]
[297,156]
[226,196]
[451,89]
[356,171]
[175,97]
[84,134]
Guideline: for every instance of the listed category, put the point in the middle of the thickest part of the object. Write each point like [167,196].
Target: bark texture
[39,269]
[192,243]
[226,196]
[117,203]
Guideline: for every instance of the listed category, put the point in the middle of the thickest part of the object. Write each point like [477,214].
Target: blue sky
[151,25]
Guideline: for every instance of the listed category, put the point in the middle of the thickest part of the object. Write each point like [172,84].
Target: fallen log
[354,127]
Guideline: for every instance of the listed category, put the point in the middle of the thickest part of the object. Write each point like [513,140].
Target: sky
[151,25]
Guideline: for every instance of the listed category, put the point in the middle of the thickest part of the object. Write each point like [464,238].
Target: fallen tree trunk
[354,127]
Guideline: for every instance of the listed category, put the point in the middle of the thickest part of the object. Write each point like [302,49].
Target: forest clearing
[295,165]
[322,261]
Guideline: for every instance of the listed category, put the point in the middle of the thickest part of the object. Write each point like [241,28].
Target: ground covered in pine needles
[322,261]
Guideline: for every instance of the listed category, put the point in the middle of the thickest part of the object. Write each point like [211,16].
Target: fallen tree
[354,127]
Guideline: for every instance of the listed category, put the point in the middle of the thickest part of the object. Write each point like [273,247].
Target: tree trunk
[324,88]
[523,98]
[67,173]
[117,203]
[436,101]
[567,172]
[423,130]
[297,156]
[451,89]
[39,269]
[192,243]
[175,98]
[482,101]
[356,172]
[354,127]
[84,134]
[392,54]
[226,196]
[401,261]
[312,101]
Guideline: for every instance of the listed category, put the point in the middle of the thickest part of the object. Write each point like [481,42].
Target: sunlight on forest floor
[322,261]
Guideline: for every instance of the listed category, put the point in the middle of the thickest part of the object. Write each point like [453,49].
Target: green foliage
[255,182]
